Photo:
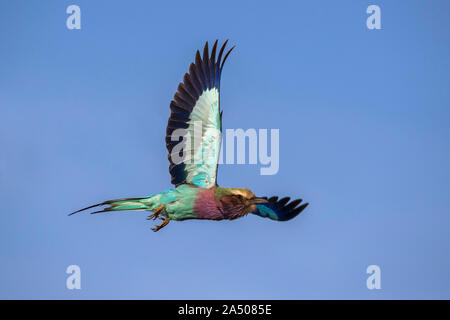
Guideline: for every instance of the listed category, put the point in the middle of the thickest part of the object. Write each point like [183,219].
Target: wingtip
[302,207]
[226,56]
[206,51]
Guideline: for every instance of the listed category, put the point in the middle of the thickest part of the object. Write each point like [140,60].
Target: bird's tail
[132,204]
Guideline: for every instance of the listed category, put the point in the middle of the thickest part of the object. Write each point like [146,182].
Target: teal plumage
[195,111]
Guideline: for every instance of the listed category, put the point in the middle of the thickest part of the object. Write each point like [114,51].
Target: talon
[156,213]
[162,225]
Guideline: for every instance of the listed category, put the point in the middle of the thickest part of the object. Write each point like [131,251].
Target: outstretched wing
[194,131]
[280,209]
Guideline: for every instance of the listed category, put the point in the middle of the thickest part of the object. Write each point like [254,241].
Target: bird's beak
[259,200]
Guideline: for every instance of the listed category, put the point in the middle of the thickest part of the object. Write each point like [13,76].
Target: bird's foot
[162,225]
[156,213]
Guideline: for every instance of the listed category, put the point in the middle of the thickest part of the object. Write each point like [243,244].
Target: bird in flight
[195,110]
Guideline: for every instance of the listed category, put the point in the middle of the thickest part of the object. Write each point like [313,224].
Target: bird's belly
[186,202]
[180,210]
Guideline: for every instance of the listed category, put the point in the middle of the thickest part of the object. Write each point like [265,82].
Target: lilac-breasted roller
[195,112]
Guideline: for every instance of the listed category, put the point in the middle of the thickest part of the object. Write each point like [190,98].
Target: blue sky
[363,118]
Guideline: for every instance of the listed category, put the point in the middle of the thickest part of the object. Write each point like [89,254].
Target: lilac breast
[205,206]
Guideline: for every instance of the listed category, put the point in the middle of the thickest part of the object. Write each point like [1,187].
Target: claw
[156,213]
[162,225]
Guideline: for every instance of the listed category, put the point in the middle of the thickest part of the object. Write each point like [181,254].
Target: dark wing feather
[280,210]
[203,76]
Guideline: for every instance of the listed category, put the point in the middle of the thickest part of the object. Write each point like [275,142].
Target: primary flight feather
[195,112]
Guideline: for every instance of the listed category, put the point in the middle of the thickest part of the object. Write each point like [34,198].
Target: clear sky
[364,137]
